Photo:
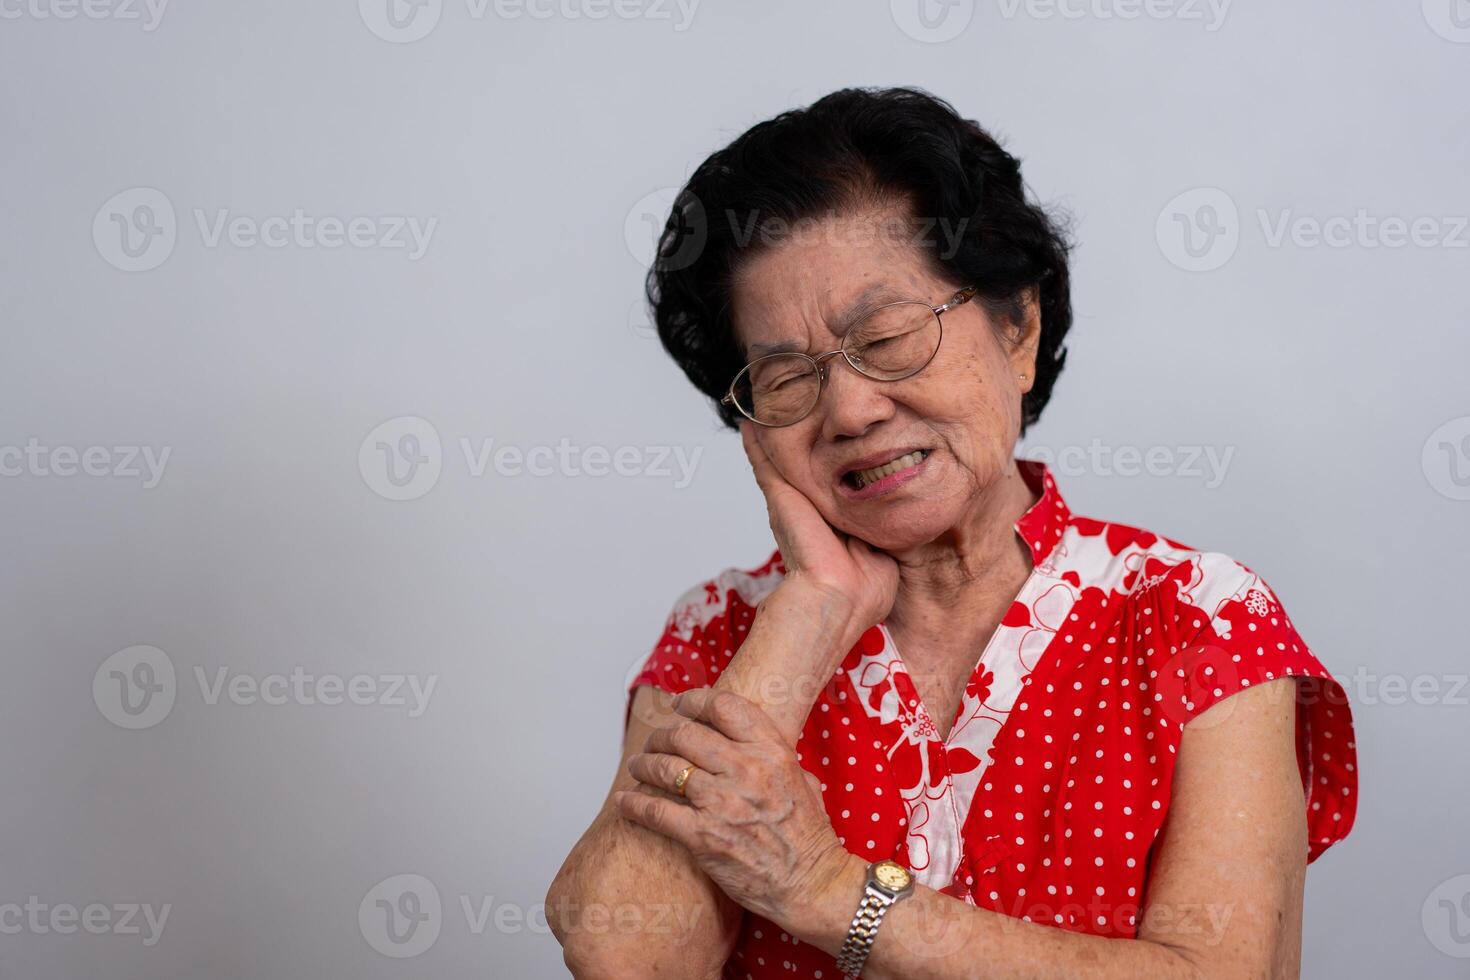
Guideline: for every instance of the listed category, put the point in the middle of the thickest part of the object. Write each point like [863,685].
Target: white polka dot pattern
[1045,801]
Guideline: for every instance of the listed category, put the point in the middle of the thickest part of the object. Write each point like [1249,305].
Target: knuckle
[736,771]
[719,704]
[727,707]
[681,738]
[686,701]
[636,807]
[714,839]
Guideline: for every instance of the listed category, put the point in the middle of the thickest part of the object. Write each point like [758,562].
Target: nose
[854,403]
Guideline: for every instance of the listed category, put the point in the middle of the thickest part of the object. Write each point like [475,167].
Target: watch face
[892,875]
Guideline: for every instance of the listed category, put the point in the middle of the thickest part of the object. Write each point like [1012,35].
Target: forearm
[931,936]
[797,640]
[631,903]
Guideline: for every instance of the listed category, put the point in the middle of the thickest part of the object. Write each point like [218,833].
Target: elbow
[556,903]
[1194,964]
[586,959]
[583,959]
[597,950]
[585,964]
[600,936]
[1184,963]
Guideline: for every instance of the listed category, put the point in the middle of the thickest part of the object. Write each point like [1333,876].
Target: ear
[1024,338]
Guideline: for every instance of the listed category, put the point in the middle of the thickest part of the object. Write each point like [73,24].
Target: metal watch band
[862,932]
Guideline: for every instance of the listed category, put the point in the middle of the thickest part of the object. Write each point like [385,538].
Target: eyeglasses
[890,343]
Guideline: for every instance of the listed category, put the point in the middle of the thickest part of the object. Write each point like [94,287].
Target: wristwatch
[888,884]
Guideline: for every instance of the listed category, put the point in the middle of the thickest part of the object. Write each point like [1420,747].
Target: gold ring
[681,779]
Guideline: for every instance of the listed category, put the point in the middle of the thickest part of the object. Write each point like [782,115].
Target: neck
[961,576]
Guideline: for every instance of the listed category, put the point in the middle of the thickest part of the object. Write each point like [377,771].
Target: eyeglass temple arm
[963,296]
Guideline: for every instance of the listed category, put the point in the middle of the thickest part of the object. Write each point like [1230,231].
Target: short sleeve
[684,658]
[703,630]
[1250,640]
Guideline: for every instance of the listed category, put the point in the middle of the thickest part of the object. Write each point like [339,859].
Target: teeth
[865,477]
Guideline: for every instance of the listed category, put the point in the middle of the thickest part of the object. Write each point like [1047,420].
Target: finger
[695,741]
[662,770]
[760,463]
[738,719]
[780,495]
[673,820]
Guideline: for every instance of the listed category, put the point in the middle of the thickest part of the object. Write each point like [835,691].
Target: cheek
[790,452]
[972,389]
[975,407]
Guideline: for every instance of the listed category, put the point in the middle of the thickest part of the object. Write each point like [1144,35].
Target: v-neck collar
[938,778]
[1039,528]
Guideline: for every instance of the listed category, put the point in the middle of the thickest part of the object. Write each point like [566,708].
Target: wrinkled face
[961,413]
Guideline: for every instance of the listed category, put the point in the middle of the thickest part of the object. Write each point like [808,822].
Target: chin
[902,528]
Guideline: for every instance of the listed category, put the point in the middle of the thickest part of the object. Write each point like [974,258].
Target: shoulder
[1195,626]
[707,624]
[1190,629]
[709,605]
[1131,563]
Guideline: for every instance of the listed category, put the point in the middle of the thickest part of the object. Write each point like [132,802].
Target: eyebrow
[870,299]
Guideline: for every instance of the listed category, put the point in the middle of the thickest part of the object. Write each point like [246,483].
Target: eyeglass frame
[960,298]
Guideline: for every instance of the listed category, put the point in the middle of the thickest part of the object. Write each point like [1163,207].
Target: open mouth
[858,479]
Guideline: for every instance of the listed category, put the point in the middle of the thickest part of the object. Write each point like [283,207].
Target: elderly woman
[949,728]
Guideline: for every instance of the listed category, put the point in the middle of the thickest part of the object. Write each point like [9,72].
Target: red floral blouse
[1045,800]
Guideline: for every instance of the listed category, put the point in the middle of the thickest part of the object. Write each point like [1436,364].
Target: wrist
[797,640]
[802,583]
[836,618]
[821,912]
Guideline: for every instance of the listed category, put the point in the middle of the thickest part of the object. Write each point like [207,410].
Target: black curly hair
[859,148]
